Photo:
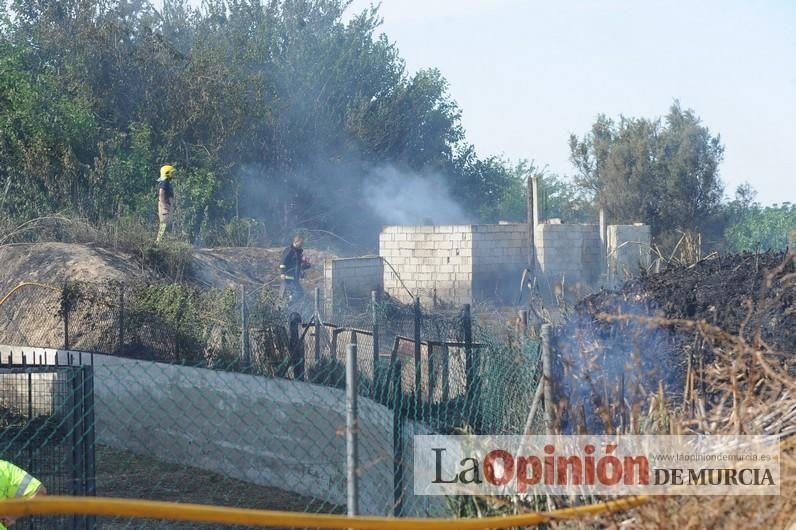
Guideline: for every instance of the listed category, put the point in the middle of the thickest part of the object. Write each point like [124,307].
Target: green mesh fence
[216,397]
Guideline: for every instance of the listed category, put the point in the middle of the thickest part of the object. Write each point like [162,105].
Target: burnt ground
[726,291]
[609,362]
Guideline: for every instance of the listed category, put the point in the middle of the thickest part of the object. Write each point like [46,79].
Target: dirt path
[125,474]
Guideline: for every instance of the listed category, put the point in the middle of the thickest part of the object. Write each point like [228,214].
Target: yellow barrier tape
[27,284]
[141,509]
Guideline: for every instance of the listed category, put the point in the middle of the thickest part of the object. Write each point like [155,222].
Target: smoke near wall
[352,199]
[406,198]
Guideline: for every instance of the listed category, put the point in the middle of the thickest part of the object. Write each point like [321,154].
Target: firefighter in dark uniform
[291,270]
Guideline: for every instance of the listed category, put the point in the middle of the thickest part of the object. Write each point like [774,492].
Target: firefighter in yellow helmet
[165,201]
[15,483]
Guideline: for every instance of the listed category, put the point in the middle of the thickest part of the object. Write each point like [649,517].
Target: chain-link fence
[47,428]
[219,397]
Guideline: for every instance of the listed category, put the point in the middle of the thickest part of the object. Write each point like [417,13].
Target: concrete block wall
[628,248]
[431,261]
[348,283]
[461,264]
[455,264]
[500,253]
[568,253]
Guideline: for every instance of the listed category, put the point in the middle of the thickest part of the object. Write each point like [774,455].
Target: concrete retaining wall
[47,388]
[273,432]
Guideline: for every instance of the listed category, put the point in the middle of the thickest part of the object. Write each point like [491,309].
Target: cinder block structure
[348,282]
[466,264]
[569,254]
[455,264]
[628,250]
[459,264]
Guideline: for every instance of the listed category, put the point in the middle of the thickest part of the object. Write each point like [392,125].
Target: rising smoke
[351,198]
[406,198]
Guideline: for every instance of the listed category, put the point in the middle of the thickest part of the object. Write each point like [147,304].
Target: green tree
[561,198]
[490,187]
[662,172]
[46,137]
[760,227]
[271,110]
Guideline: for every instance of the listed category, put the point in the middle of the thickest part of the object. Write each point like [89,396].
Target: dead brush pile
[737,293]
[727,330]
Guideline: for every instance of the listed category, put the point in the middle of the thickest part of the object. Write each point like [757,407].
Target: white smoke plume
[406,198]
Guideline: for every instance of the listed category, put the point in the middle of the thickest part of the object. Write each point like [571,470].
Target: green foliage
[560,198]
[182,311]
[172,259]
[327,372]
[270,111]
[492,187]
[274,114]
[46,134]
[237,232]
[123,174]
[664,173]
[761,227]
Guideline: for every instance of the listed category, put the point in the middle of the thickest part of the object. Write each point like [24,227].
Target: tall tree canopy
[275,110]
[662,172]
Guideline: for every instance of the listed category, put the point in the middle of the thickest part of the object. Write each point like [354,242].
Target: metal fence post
[375,324]
[418,366]
[397,441]
[120,345]
[317,317]
[245,353]
[75,435]
[30,415]
[547,380]
[351,428]
[446,382]
[469,358]
[65,305]
[296,347]
[88,439]
[432,376]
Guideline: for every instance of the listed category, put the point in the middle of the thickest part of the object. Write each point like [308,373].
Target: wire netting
[47,428]
[222,397]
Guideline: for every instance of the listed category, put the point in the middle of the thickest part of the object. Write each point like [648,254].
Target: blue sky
[527,73]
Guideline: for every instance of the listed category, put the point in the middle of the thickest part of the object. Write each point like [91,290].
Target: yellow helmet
[167,172]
